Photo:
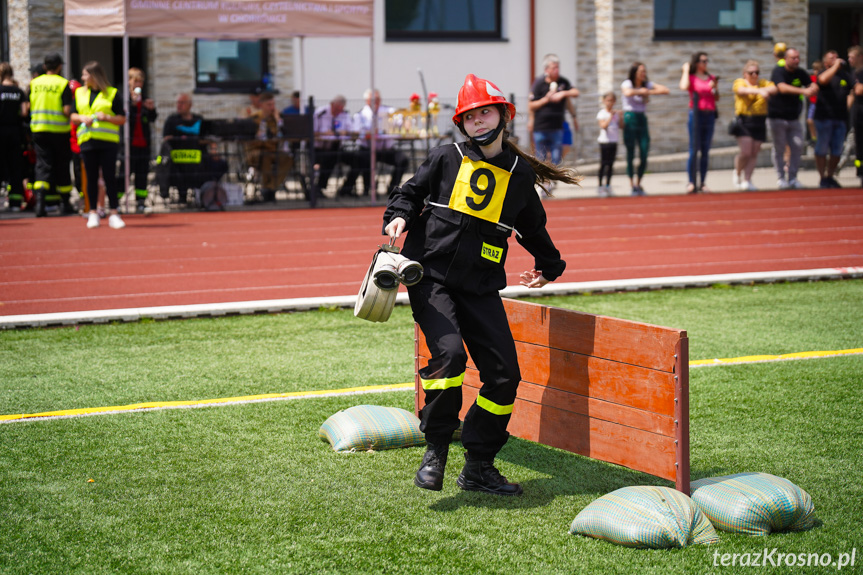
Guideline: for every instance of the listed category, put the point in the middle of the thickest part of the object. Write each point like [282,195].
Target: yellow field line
[364,390]
[206,402]
[784,357]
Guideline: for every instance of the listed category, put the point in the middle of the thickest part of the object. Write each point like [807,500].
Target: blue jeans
[548,145]
[701,124]
[831,137]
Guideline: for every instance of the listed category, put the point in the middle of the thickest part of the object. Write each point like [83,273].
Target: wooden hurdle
[609,389]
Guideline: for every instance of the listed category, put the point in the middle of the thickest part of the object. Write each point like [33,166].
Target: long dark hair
[633,70]
[693,62]
[545,172]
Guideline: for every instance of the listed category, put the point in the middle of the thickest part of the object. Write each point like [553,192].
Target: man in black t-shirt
[855,60]
[12,99]
[783,116]
[831,116]
[549,100]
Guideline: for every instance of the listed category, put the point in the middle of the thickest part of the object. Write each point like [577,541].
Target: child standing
[610,124]
[460,208]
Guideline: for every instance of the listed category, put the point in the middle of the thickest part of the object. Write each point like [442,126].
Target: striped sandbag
[645,516]
[754,503]
[371,427]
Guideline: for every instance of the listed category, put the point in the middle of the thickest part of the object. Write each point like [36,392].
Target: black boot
[483,476]
[40,205]
[430,474]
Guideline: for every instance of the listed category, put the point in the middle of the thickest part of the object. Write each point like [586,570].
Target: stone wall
[35,30]
[172,71]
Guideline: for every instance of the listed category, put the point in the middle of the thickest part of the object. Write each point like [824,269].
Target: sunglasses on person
[754,72]
[703,60]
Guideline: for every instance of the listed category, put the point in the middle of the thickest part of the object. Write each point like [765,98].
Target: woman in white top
[637,90]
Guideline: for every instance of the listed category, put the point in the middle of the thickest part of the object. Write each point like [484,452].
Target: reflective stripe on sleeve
[443,383]
[492,407]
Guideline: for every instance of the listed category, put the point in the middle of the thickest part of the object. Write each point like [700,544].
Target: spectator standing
[386,151]
[831,116]
[50,108]
[783,117]
[811,133]
[13,110]
[750,106]
[550,99]
[855,60]
[610,125]
[703,94]
[99,114]
[637,90]
[142,114]
[779,50]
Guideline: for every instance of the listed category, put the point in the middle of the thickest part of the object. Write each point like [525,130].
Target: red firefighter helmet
[74,85]
[477,93]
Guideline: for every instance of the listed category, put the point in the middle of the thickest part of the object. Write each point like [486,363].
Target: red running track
[57,265]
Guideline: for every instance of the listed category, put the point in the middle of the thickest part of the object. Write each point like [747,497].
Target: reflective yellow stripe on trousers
[492,407]
[443,383]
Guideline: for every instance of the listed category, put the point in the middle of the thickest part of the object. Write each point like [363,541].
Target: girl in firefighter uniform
[460,208]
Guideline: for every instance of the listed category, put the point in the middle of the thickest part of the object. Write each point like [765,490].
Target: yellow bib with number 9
[479,190]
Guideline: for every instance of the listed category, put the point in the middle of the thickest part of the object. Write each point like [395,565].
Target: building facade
[503,40]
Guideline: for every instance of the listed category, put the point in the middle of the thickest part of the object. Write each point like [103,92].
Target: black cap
[53,61]
[37,70]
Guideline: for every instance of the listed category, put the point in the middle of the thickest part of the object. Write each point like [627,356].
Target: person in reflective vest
[459,210]
[99,115]
[50,107]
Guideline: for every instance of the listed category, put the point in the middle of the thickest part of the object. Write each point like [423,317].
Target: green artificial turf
[252,489]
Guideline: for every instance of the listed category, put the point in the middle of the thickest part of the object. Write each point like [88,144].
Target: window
[230,65]
[4,32]
[421,20]
[674,19]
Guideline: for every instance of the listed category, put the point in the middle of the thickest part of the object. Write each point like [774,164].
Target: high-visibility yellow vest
[46,104]
[105,131]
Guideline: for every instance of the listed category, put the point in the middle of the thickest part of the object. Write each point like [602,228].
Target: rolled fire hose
[378,291]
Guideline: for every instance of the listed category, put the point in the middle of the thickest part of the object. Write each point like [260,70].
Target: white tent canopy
[223,19]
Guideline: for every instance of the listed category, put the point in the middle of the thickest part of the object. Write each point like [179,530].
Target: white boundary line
[299,304]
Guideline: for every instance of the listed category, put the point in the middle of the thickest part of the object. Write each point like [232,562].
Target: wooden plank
[633,448]
[581,405]
[681,415]
[599,336]
[606,388]
[635,386]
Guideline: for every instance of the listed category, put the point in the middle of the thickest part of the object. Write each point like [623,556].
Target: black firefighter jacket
[461,208]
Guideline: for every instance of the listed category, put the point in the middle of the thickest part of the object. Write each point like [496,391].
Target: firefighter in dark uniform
[50,108]
[460,208]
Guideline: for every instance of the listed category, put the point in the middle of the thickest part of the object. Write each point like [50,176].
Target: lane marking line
[348,301]
[154,406]
[770,358]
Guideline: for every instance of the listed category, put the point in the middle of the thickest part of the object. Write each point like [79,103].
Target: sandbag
[647,517]
[753,503]
[371,427]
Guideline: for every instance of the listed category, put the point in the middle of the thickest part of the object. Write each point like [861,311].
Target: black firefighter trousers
[447,318]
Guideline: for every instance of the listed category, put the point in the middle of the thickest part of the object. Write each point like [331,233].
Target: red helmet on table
[476,93]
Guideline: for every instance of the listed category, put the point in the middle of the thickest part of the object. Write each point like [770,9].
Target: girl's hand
[395,228]
[533,279]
